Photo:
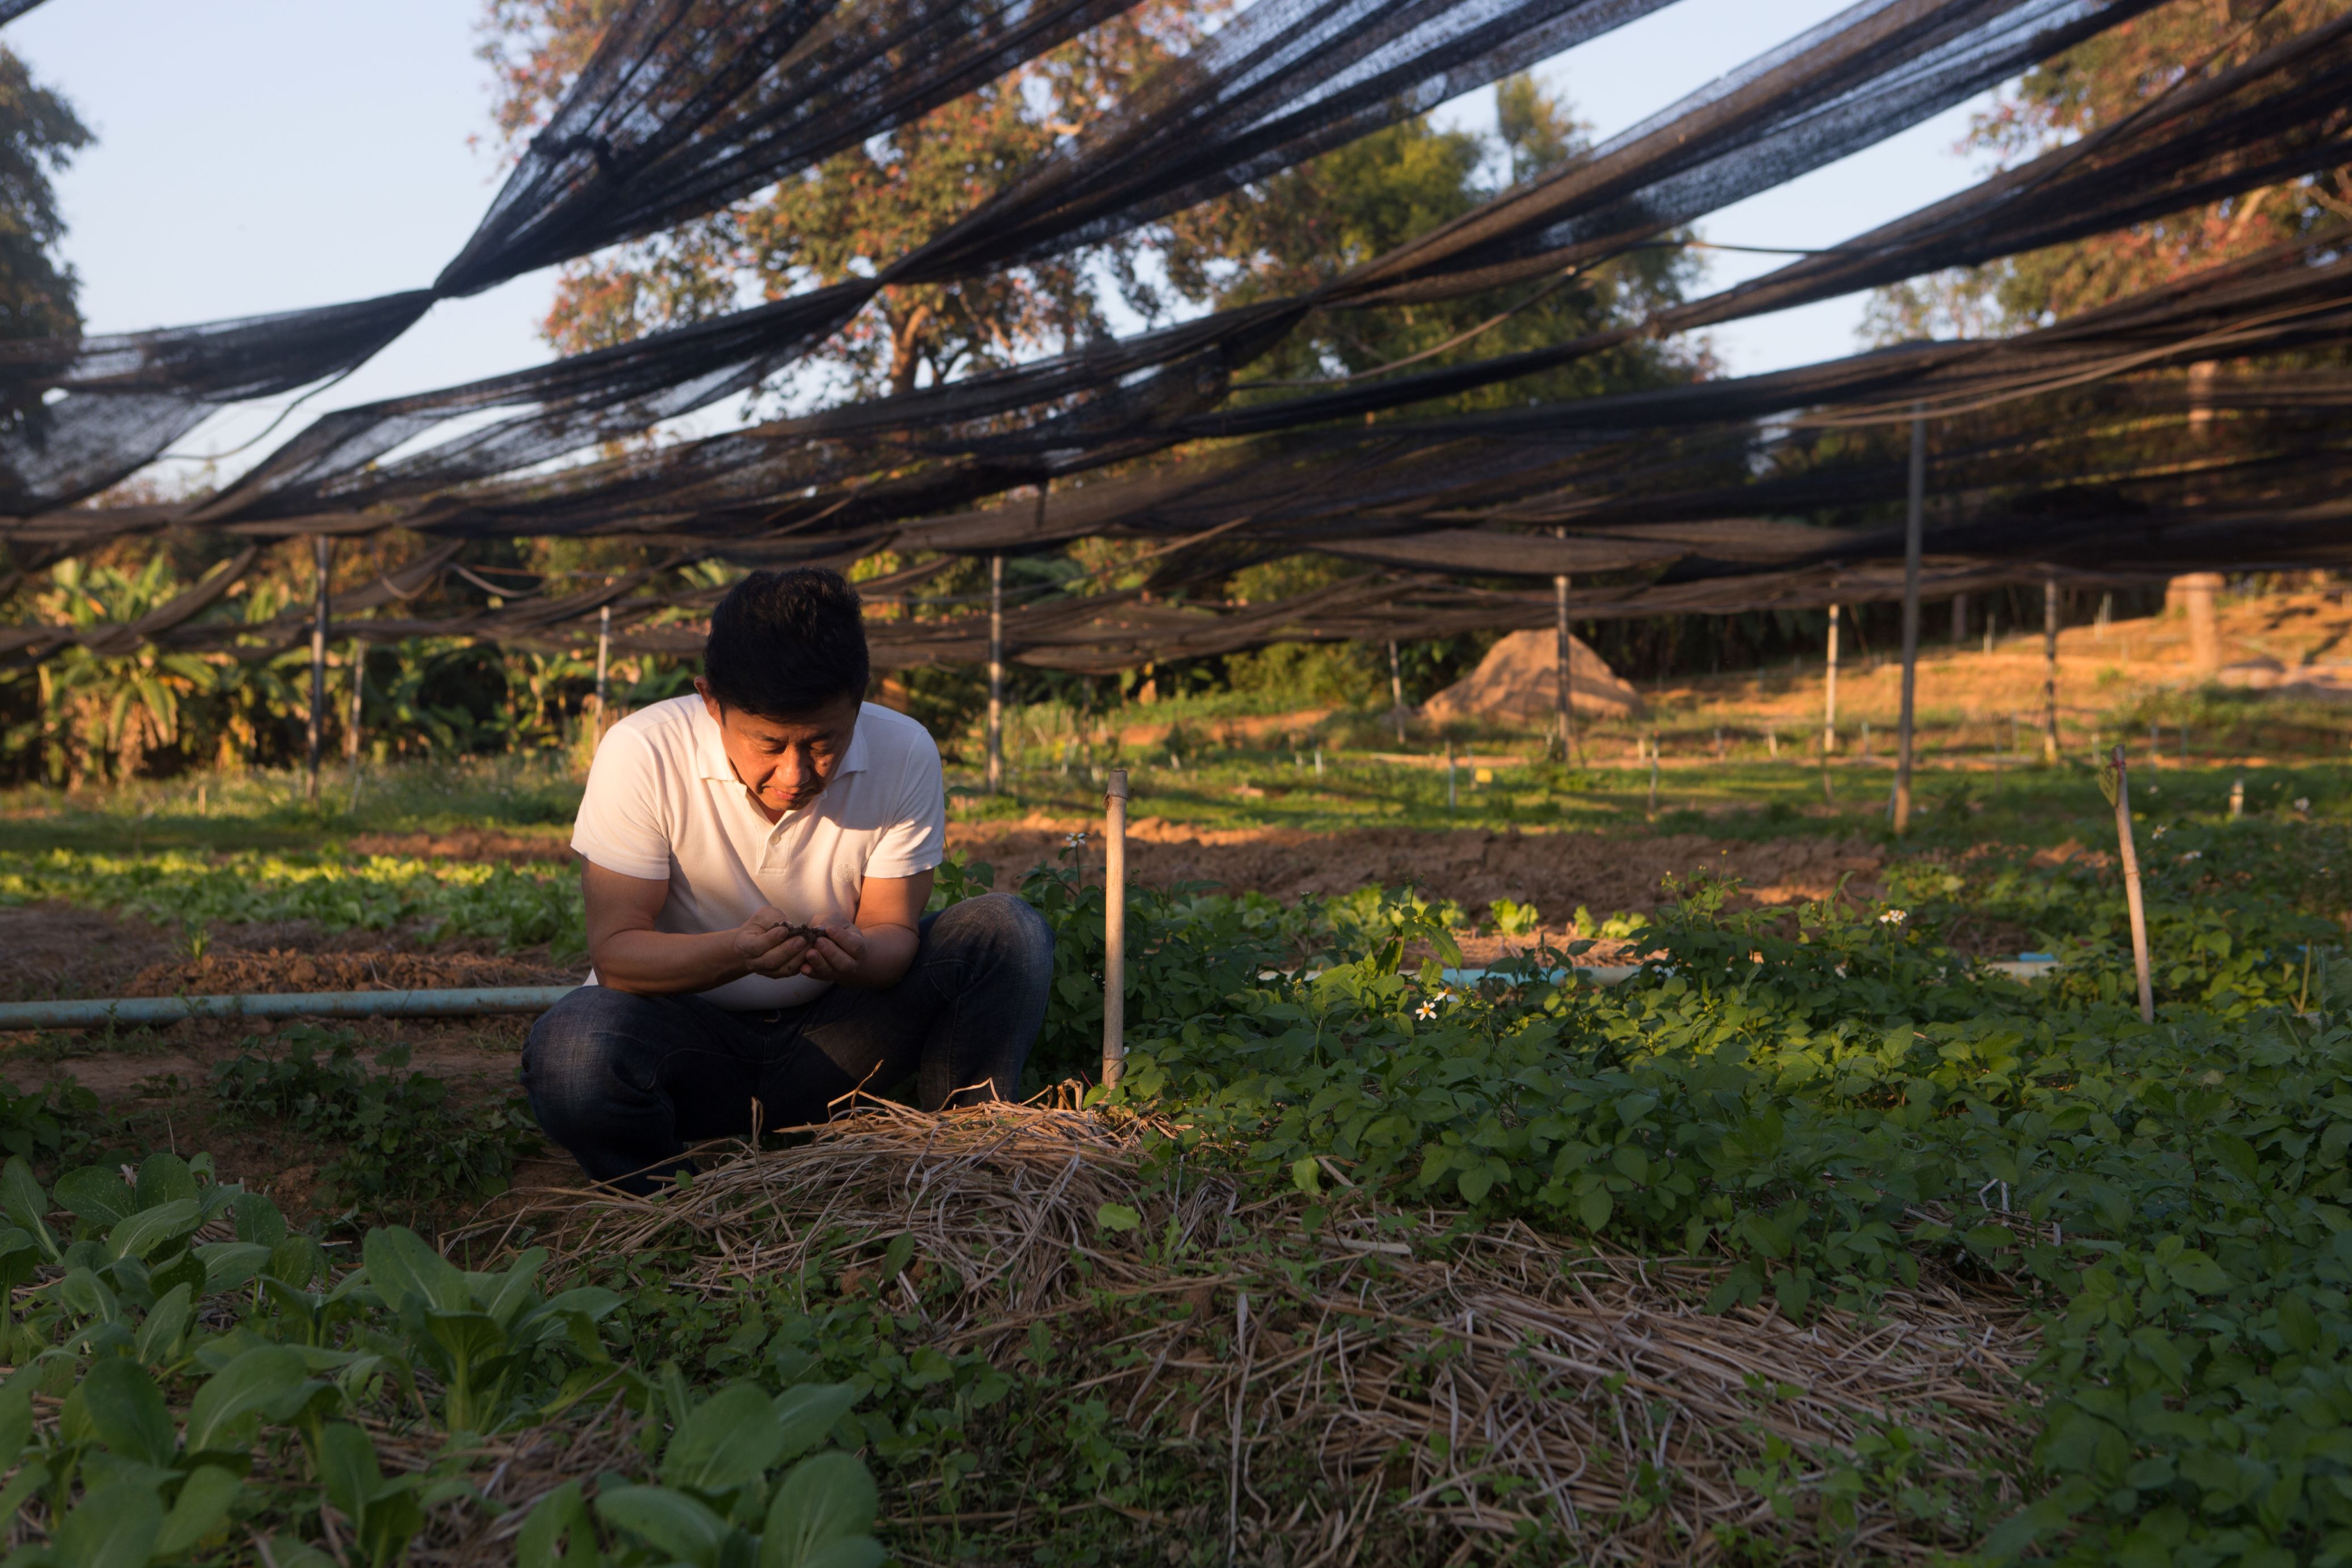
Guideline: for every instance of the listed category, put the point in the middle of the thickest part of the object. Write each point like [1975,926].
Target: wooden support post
[1564,646]
[1912,526]
[995,673]
[1396,690]
[604,659]
[1114,1040]
[351,717]
[322,555]
[2132,901]
[1829,691]
[2050,669]
[352,722]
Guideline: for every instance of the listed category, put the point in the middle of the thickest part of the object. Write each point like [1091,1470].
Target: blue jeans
[626,1082]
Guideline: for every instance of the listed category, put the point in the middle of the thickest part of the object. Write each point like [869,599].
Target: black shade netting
[691,103]
[642,114]
[618,392]
[1282,80]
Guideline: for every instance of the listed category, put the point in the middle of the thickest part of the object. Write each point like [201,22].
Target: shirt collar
[710,751]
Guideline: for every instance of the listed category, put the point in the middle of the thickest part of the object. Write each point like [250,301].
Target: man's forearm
[890,954]
[652,963]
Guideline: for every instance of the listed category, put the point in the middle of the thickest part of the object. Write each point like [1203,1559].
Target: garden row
[1823,1119]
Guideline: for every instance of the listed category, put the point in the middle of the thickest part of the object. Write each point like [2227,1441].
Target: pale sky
[281,153]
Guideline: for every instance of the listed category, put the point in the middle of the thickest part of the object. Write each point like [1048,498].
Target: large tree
[2093,85]
[39,133]
[853,213]
[1313,223]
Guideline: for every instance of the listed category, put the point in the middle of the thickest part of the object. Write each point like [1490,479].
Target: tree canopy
[39,133]
[2093,85]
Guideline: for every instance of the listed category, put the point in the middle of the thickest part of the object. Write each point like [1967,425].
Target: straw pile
[1392,1388]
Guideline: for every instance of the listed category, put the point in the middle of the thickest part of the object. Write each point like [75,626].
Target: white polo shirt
[663,802]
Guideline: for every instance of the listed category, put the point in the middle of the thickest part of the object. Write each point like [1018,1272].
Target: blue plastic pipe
[124,1011]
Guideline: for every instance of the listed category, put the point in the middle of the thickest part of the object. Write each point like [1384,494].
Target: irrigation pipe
[139,1013]
[130,1011]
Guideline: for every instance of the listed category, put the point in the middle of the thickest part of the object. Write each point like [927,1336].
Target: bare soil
[1555,871]
[55,950]
[475,844]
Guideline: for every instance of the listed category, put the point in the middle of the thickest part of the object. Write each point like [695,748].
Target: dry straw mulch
[1392,1388]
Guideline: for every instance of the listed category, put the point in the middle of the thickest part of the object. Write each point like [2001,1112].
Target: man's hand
[768,944]
[835,954]
[632,954]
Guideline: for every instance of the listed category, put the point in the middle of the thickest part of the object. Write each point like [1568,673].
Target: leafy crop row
[1831,1106]
[1825,1107]
[219,1386]
[438,898]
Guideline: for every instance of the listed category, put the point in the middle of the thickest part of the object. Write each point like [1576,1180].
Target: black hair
[784,643]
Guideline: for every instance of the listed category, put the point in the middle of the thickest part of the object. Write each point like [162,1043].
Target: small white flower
[1426,1011]
[1894,917]
[2303,802]
[1074,841]
[2159,831]
[2192,855]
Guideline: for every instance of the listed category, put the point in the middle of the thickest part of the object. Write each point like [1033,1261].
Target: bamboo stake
[604,658]
[1565,665]
[1912,519]
[322,556]
[1396,691]
[1240,1399]
[2050,669]
[1829,691]
[996,673]
[359,682]
[352,727]
[2132,899]
[1114,1057]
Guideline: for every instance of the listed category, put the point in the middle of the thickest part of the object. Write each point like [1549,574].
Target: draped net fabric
[1965,52]
[663,116]
[1300,487]
[688,104]
[1282,80]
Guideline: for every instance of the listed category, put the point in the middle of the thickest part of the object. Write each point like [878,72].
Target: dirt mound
[1555,871]
[1518,683]
[281,971]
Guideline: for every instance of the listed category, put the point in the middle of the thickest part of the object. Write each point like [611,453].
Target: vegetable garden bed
[1814,1243]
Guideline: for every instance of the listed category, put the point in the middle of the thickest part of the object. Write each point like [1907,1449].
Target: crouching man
[758,855]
